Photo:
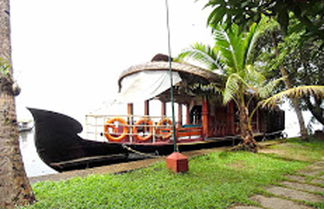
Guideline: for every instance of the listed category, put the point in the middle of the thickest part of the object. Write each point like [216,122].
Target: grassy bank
[216,180]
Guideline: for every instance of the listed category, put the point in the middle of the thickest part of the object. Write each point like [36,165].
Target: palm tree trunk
[249,142]
[316,109]
[295,102]
[14,185]
[296,105]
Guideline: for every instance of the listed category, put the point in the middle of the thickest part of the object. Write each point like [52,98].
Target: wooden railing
[157,132]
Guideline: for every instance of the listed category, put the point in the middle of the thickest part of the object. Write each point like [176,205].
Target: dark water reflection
[34,166]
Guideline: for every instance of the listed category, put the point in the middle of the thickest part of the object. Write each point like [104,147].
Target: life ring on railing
[110,124]
[164,122]
[142,122]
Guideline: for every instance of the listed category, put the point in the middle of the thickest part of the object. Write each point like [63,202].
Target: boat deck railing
[138,129]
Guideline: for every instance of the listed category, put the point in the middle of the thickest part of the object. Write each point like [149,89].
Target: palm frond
[203,54]
[226,42]
[266,90]
[232,87]
[255,32]
[253,77]
[296,92]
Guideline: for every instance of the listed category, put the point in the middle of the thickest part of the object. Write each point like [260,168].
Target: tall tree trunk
[14,185]
[316,109]
[249,142]
[295,102]
[296,105]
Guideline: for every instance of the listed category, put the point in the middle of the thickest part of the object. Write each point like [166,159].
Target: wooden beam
[187,113]
[179,125]
[130,112]
[163,109]
[147,107]
[130,109]
[205,117]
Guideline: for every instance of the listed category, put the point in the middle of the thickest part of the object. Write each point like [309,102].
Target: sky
[68,54]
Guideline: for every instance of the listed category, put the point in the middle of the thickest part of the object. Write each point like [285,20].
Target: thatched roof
[184,69]
[189,74]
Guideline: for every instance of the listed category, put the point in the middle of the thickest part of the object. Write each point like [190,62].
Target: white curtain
[145,85]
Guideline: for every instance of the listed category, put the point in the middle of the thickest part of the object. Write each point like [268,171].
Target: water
[34,166]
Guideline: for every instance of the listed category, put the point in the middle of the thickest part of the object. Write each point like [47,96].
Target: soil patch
[238,165]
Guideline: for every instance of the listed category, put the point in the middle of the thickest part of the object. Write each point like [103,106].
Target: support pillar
[179,125]
[130,109]
[187,114]
[163,109]
[147,107]
[205,117]
[130,112]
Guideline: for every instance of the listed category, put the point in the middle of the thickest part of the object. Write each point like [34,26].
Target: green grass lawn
[216,180]
[301,150]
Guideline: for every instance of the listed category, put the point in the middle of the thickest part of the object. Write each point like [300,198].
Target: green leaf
[216,16]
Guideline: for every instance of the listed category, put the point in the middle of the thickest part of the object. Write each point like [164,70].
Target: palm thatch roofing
[187,71]
[189,74]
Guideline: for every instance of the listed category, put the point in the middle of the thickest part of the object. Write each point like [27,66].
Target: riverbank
[215,180]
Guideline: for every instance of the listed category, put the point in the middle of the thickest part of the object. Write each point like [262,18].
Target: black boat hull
[57,141]
[60,147]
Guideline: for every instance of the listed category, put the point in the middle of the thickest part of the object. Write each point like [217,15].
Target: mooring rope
[138,152]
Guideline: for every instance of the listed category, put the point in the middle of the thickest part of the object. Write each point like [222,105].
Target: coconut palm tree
[316,91]
[233,56]
[14,185]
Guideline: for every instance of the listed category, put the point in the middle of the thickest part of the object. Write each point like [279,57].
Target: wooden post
[179,125]
[147,107]
[163,109]
[187,114]
[130,112]
[130,109]
[205,117]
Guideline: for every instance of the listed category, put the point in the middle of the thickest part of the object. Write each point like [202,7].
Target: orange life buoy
[142,122]
[159,131]
[110,124]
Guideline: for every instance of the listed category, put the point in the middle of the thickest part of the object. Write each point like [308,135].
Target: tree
[244,13]
[296,92]
[300,60]
[304,61]
[233,54]
[14,185]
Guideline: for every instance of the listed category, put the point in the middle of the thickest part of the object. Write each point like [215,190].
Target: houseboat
[201,118]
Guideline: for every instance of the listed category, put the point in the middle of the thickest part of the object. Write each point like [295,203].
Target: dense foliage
[302,59]
[244,13]
[234,56]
